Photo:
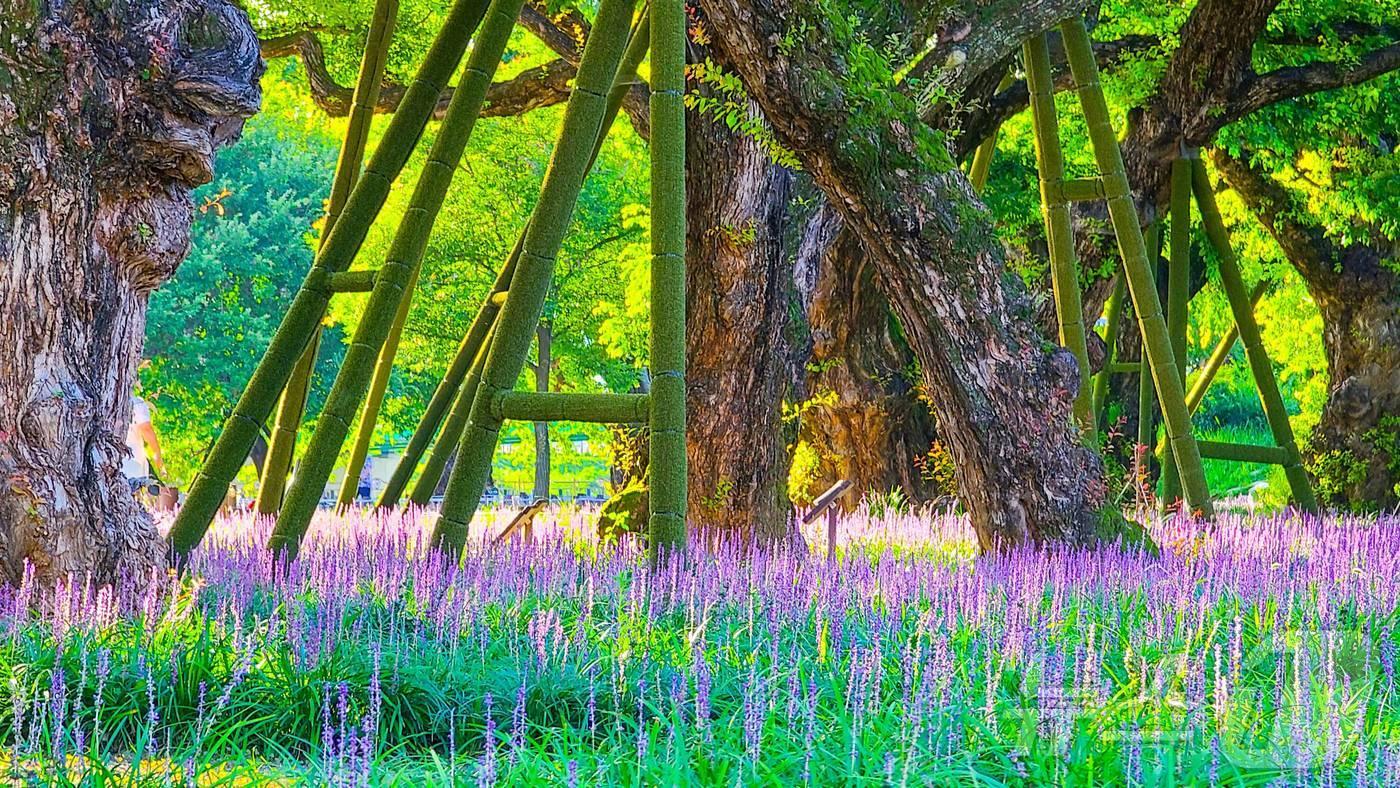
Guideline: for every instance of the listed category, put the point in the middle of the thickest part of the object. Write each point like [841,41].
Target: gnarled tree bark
[1001,393]
[864,417]
[112,112]
[736,313]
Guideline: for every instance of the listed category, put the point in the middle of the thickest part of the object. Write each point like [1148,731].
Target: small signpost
[523,522]
[826,504]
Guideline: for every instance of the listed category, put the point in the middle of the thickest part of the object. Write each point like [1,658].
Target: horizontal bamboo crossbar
[555,406]
[1243,452]
[1125,367]
[1082,189]
[357,281]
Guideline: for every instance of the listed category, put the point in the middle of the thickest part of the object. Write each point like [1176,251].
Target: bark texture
[112,113]
[1355,449]
[864,419]
[1001,393]
[736,312]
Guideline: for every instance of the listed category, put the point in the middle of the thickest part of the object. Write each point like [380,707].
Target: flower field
[1262,650]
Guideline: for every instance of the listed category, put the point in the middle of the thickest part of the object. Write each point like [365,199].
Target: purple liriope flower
[517,726]
[488,763]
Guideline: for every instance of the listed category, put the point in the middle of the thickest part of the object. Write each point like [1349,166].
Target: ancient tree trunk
[1354,452]
[543,361]
[112,112]
[735,316]
[1001,394]
[864,420]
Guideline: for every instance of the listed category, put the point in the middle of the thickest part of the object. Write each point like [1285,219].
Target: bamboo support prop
[1197,394]
[1064,268]
[1113,318]
[374,398]
[448,389]
[1147,416]
[667,470]
[556,406]
[982,158]
[1178,297]
[282,442]
[395,277]
[1141,285]
[583,119]
[1258,358]
[309,305]
[452,429]
[1244,452]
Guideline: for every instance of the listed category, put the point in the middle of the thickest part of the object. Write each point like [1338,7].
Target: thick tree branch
[1286,83]
[541,86]
[565,33]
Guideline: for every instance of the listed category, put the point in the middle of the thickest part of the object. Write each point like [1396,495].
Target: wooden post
[1064,269]
[391,286]
[1122,211]
[825,504]
[335,255]
[1242,308]
[292,406]
[583,119]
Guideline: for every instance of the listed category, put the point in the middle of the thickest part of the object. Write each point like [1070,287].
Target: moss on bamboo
[292,406]
[396,277]
[583,120]
[1059,232]
[1141,285]
[309,306]
[667,470]
[448,391]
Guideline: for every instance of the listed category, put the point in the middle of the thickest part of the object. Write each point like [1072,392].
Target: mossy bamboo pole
[667,467]
[1141,284]
[567,406]
[982,158]
[1244,452]
[457,419]
[1218,356]
[583,119]
[309,305]
[447,391]
[282,443]
[1113,317]
[391,286]
[1147,404]
[374,397]
[1178,298]
[1064,270]
[1259,364]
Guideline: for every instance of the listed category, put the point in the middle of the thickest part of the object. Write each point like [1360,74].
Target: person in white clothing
[143,448]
